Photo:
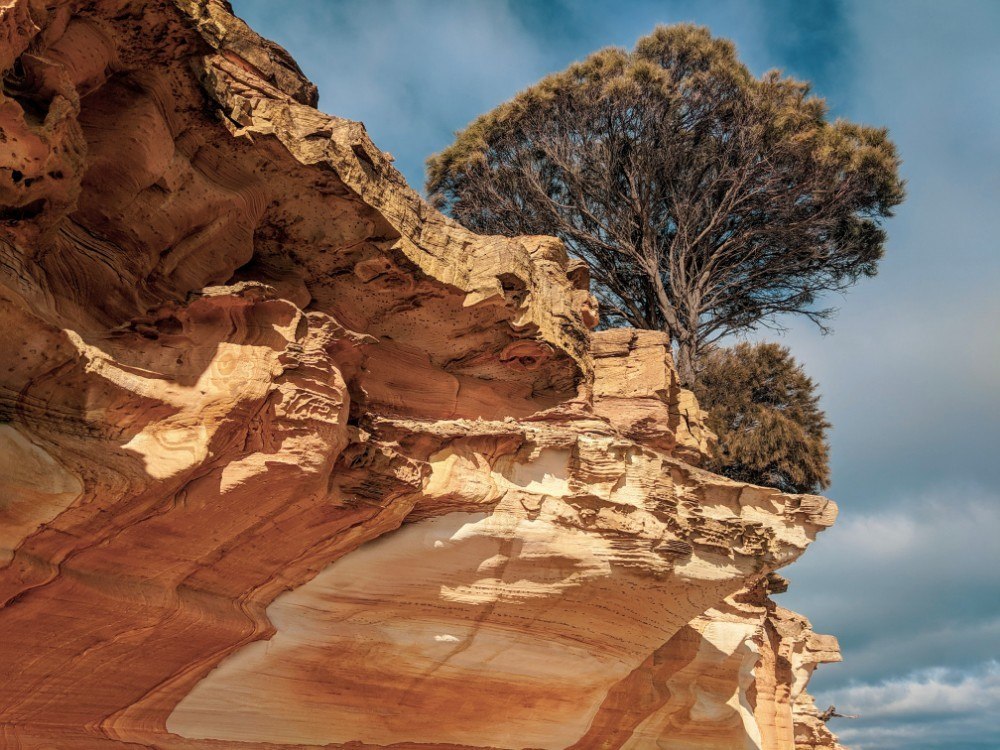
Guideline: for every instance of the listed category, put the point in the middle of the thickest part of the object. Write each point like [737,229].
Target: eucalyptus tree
[706,201]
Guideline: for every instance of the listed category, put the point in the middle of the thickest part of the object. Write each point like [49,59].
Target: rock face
[291,460]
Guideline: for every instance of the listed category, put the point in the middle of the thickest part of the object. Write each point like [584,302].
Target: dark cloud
[907,587]
[909,577]
[813,41]
[930,708]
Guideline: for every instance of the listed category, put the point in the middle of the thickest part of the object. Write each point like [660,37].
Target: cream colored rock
[577,556]
[637,389]
[291,460]
[36,489]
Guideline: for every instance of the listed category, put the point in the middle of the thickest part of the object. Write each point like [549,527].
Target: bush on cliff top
[765,410]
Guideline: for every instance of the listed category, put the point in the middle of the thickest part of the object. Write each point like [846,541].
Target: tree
[765,411]
[706,201]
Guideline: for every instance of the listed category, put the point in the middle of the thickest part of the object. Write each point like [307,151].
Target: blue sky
[909,579]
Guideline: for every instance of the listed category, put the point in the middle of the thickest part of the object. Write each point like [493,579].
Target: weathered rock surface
[288,459]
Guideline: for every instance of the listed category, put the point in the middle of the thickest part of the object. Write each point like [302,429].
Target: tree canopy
[705,200]
[765,411]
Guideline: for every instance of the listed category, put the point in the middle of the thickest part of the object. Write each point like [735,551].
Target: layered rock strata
[291,460]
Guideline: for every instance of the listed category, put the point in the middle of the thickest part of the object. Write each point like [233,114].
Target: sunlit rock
[291,460]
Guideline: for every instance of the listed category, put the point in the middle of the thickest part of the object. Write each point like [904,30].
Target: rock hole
[20,213]
[169,325]
[514,288]
[363,157]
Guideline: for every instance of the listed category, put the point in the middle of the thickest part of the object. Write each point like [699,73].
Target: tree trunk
[685,363]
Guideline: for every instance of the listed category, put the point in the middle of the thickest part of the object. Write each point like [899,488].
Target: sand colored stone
[290,460]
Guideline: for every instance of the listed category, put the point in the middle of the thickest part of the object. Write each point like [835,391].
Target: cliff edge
[289,459]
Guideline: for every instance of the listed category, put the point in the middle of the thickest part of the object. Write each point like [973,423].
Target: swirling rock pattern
[291,460]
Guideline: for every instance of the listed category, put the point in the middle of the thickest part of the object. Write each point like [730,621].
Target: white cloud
[938,690]
[941,708]
[946,523]
[905,587]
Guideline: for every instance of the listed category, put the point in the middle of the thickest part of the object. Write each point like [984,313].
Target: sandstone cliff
[288,459]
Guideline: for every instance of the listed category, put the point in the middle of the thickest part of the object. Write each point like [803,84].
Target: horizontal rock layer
[291,460]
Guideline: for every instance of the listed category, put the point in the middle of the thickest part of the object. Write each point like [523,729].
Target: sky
[909,578]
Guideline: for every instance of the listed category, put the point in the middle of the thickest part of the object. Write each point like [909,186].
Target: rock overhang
[251,359]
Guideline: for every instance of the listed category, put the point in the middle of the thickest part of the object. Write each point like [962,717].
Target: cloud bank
[933,708]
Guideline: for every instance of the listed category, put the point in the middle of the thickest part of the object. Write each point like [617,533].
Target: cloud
[909,376]
[929,692]
[936,707]
[912,590]
[909,579]
[968,732]
[909,586]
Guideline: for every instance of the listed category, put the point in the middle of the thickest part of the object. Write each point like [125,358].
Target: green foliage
[705,200]
[765,410]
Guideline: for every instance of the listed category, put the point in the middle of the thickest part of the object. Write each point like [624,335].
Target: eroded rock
[292,460]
